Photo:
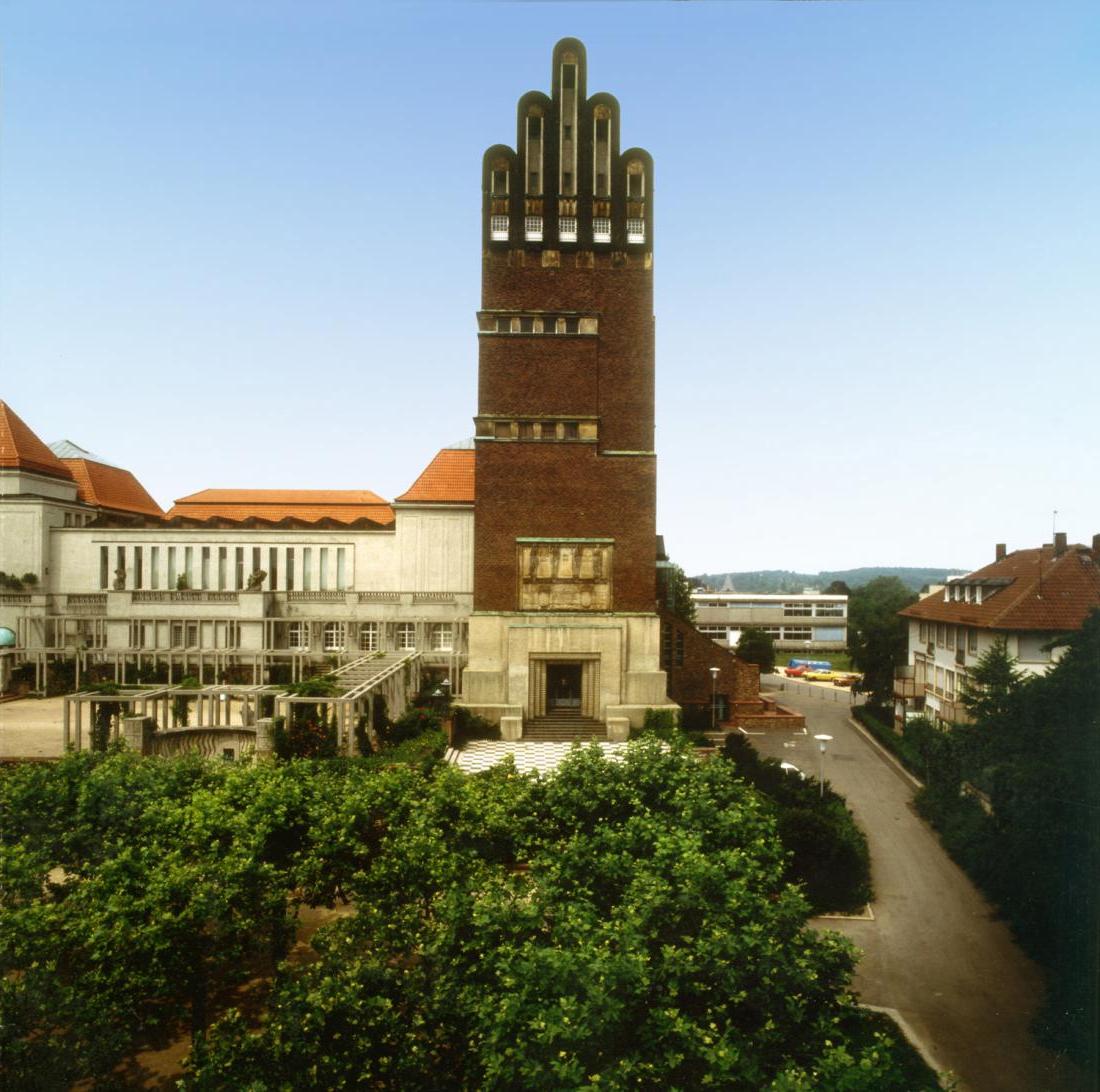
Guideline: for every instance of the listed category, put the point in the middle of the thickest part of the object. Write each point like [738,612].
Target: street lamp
[822,740]
[714,698]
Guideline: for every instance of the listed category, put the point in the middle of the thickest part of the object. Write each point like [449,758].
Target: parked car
[846,678]
[791,768]
[795,672]
[819,676]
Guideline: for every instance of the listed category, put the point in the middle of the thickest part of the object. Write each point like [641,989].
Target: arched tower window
[601,158]
[567,158]
[635,201]
[498,200]
[534,151]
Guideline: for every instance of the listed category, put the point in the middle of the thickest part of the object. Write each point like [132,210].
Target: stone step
[559,728]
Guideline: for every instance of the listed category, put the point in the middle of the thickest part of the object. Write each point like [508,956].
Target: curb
[915,782]
[913,1039]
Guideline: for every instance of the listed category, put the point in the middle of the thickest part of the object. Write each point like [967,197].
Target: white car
[790,767]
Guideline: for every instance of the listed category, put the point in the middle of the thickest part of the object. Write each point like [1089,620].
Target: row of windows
[367,636]
[948,636]
[778,633]
[78,519]
[544,324]
[334,636]
[539,430]
[224,568]
[811,610]
[500,229]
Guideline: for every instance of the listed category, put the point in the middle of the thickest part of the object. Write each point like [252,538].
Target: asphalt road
[935,951]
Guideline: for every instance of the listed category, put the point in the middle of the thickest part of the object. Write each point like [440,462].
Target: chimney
[1059,543]
[1001,552]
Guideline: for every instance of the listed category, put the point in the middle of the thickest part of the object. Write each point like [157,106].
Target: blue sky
[239,247]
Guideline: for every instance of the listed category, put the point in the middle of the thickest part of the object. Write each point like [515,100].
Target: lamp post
[822,740]
[714,698]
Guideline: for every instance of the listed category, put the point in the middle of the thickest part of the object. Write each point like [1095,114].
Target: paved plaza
[528,755]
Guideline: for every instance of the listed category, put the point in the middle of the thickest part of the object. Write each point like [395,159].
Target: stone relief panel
[565,575]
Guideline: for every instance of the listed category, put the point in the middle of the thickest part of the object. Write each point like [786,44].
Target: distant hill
[778,581]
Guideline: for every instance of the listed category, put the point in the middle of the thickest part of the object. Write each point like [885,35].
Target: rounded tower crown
[566,185]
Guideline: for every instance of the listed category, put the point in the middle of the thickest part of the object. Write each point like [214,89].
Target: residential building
[802,624]
[1026,598]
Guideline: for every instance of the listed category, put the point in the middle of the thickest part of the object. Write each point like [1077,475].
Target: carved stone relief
[565,576]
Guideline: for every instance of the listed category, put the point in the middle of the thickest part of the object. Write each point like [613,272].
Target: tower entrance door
[563,688]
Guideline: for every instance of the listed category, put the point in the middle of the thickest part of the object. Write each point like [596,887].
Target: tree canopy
[755,646]
[619,924]
[877,637]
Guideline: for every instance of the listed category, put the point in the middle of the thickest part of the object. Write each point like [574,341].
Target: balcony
[906,684]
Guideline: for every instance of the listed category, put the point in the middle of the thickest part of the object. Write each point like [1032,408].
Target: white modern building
[244,586]
[805,623]
[1026,598]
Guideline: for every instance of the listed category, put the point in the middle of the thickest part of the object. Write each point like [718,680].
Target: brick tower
[564,616]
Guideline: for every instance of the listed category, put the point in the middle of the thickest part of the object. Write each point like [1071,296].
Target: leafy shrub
[828,851]
[663,724]
[181,705]
[468,726]
[412,723]
[305,737]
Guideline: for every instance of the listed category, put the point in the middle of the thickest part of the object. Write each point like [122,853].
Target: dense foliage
[625,924]
[1034,752]
[756,646]
[877,638]
[678,590]
[772,581]
[829,855]
[1035,749]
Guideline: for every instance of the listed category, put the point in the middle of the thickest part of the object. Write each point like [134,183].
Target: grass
[841,661]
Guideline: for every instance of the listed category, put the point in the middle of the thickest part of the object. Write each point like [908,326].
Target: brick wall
[689,682]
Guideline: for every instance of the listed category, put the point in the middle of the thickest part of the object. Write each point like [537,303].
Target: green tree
[755,646]
[678,594]
[989,686]
[877,637]
[838,587]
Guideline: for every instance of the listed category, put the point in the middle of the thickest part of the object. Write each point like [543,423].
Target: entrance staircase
[564,727]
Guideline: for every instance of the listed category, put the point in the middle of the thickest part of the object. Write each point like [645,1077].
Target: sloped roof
[1068,590]
[107,486]
[344,506]
[447,479]
[66,449]
[21,449]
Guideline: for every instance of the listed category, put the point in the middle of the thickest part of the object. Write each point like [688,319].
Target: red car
[795,672]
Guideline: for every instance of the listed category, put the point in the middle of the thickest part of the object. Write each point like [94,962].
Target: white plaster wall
[435,546]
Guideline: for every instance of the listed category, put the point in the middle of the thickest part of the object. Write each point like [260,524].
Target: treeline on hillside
[1015,797]
[616,925]
[779,581]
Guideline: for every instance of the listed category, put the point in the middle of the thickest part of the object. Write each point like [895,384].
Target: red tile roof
[21,449]
[448,479]
[1068,590]
[274,505]
[111,487]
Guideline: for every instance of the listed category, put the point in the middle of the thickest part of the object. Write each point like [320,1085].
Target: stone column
[133,733]
[265,738]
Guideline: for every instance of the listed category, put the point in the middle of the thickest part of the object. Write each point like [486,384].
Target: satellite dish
[7,637]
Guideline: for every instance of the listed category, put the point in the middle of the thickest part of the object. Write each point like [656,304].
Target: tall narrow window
[171,568]
[272,568]
[120,564]
[567,151]
[139,568]
[601,160]
[368,637]
[307,569]
[154,567]
[239,566]
[188,561]
[104,567]
[341,569]
[406,636]
[322,582]
[290,568]
[534,155]
[257,564]
[223,567]
[335,636]
[204,569]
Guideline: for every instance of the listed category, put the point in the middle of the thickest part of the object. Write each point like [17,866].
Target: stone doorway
[563,688]
[560,687]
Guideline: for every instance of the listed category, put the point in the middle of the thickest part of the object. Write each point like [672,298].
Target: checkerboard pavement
[529,755]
